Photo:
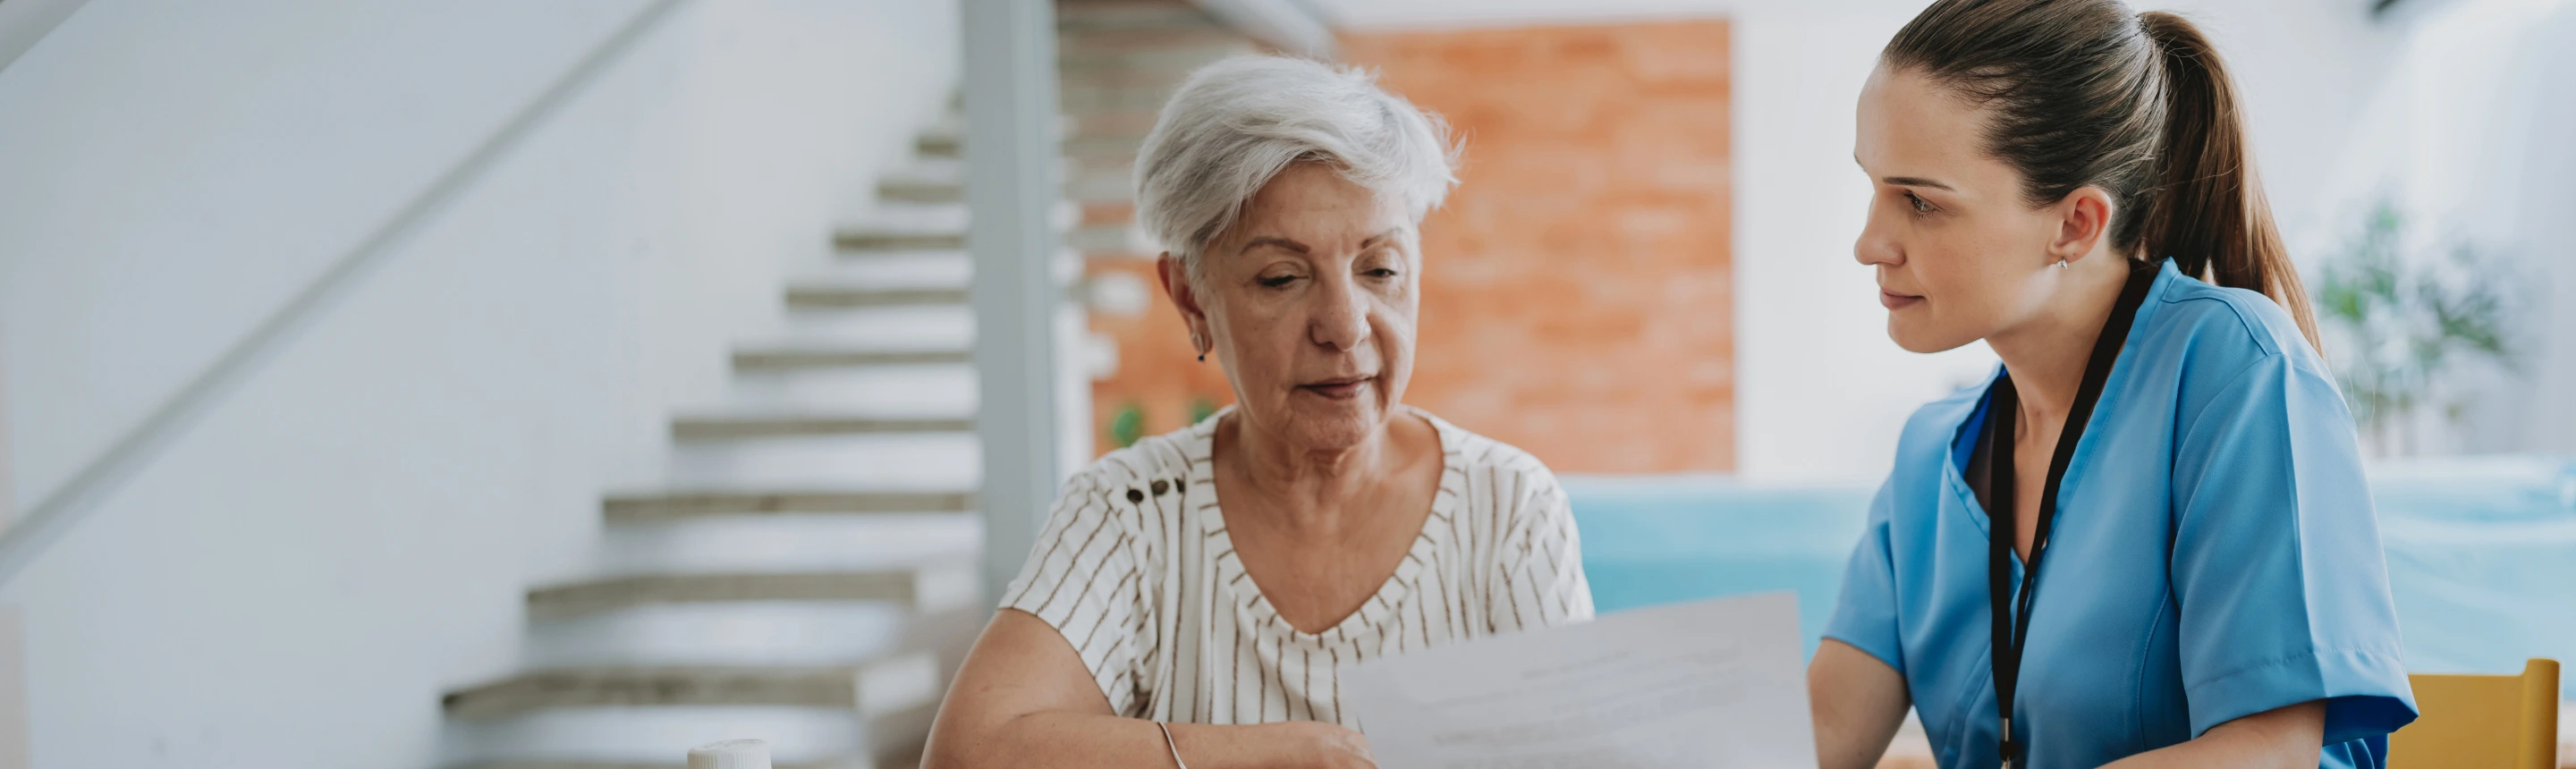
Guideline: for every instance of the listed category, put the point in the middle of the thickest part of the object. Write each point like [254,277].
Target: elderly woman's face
[1309,302]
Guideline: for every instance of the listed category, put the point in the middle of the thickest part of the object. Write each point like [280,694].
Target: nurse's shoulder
[2234,322]
[2212,337]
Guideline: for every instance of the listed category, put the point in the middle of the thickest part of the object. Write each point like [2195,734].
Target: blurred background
[504,384]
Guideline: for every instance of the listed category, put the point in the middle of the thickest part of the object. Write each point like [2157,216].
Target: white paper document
[1710,684]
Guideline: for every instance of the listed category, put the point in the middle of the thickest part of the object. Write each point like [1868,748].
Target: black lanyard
[2011,627]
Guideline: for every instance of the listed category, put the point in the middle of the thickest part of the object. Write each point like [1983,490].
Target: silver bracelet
[1176,747]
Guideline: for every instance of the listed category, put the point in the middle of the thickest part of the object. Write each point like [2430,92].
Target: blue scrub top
[2215,556]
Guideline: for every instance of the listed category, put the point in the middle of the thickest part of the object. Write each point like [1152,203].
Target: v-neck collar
[1202,496]
[1972,415]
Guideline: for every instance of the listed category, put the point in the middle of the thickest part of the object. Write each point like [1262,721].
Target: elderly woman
[1196,597]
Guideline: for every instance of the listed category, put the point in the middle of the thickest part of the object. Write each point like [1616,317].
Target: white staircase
[810,573]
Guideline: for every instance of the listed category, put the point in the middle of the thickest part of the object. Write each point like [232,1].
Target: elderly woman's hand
[1333,747]
[1023,699]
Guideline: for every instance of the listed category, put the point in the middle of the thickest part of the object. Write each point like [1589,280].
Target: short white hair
[1237,123]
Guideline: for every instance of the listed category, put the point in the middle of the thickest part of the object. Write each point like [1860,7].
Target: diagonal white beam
[23,22]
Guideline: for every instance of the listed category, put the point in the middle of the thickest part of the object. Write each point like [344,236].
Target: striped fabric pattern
[1136,570]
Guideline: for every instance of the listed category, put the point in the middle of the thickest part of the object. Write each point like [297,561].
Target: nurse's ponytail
[2086,93]
[2209,213]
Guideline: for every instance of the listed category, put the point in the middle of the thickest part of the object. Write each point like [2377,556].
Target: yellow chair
[2482,722]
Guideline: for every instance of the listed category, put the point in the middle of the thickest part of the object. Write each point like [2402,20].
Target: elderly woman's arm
[1024,699]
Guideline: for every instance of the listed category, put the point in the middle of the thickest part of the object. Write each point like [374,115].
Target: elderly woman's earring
[1195,344]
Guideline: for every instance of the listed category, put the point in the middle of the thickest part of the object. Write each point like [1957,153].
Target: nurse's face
[1960,252]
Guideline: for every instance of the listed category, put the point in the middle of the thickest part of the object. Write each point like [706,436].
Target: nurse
[2182,567]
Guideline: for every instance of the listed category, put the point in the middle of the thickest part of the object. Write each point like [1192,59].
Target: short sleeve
[1865,614]
[1539,568]
[1082,579]
[2277,565]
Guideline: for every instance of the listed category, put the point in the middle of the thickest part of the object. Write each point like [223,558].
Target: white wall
[347,535]
[2468,137]
[1820,391]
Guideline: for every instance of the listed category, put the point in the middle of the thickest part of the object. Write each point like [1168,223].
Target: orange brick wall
[1157,374]
[1577,295]
[1577,291]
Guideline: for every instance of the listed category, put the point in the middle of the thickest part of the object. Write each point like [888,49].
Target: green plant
[1201,409]
[2405,321]
[1127,425]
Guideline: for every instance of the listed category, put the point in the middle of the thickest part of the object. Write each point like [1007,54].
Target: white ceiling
[1386,14]
[1400,14]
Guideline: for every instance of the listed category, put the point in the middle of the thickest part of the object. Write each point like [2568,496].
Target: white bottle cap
[730,754]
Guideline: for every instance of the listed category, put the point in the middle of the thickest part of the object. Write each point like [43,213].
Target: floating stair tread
[1085,188]
[947,142]
[811,355]
[672,505]
[949,269]
[932,186]
[921,190]
[1130,15]
[1129,41]
[819,294]
[897,682]
[613,593]
[884,741]
[879,239]
[707,427]
[946,139]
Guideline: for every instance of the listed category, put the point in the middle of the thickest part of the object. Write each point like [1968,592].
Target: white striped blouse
[1136,570]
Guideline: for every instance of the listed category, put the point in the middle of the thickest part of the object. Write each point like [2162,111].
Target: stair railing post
[13,630]
[1012,191]
[8,493]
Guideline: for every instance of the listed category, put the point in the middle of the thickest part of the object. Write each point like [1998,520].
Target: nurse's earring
[2061,264]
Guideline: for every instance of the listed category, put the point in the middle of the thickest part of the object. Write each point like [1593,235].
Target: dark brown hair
[2086,93]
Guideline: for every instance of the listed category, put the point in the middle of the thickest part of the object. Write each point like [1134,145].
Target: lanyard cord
[2012,623]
